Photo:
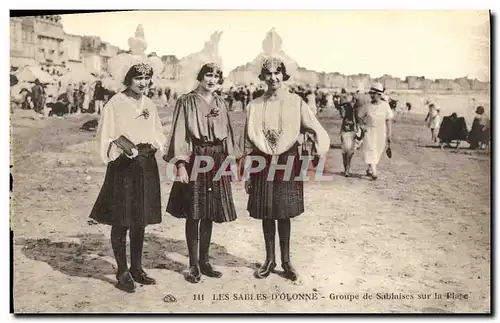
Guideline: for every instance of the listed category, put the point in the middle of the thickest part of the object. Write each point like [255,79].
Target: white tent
[31,73]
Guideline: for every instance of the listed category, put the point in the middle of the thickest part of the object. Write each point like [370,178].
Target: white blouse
[285,118]
[122,116]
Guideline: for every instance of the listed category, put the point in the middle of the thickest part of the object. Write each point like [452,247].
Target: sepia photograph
[251,161]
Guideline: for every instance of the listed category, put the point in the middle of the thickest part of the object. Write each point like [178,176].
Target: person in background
[230,98]
[248,95]
[433,121]
[168,93]
[67,99]
[38,96]
[99,93]
[348,132]
[79,98]
[479,135]
[376,120]
[163,97]
[311,101]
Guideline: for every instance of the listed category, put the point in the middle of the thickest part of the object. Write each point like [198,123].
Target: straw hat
[377,88]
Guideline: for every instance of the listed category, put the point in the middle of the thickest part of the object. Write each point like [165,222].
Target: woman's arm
[310,123]
[179,142]
[160,138]
[388,122]
[106,133]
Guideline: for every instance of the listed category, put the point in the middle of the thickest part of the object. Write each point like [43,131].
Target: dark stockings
[192,237]
[269,229]
[284,229]
[119,245]
[198,237]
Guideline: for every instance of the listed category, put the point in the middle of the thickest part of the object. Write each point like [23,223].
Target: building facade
[73,44]
[22,41]
[51,52]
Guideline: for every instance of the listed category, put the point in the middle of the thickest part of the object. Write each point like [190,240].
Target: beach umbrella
[77,75]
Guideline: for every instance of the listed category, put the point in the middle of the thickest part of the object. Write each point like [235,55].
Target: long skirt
[279,197]
[130,195]
[204,197]
[374,144]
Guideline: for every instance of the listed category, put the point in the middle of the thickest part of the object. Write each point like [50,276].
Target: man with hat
[376,119]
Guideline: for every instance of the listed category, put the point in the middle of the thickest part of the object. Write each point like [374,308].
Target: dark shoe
[207,270]
[193,275]
[141,277]
[374,177]
[264,270]
[125,282]
[290,272]
[347,174]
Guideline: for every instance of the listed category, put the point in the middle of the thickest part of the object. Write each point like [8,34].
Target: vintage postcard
[251,162]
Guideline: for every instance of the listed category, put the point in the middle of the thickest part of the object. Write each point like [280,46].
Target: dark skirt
[204,198]
[280,198]
[130,195]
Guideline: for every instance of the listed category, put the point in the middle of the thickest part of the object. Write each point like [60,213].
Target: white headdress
[273,55]
[119,65]
[191,64]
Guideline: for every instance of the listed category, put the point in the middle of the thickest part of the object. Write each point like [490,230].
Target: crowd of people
[82,97]
[73,98]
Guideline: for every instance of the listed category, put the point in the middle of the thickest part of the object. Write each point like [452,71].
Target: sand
[420,233]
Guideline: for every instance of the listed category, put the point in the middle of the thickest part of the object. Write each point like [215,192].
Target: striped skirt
[279,198]
[204,198]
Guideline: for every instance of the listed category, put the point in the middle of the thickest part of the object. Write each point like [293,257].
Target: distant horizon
[435,44]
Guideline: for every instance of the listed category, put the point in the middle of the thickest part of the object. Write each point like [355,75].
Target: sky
[434,44]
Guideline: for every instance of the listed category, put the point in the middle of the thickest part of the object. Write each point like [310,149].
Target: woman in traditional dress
[201,127]
[130,197]
[377,125]
[273,128]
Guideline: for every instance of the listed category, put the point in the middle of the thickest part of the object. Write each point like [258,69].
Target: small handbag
[388,151]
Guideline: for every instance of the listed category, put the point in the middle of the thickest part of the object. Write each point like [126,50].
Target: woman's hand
[315,161]
[182,174]
[247,186]
[135,152]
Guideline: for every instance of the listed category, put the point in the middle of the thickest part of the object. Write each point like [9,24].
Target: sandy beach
[417,240]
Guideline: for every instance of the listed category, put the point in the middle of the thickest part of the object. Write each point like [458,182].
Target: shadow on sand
[352,175]
[93,256]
